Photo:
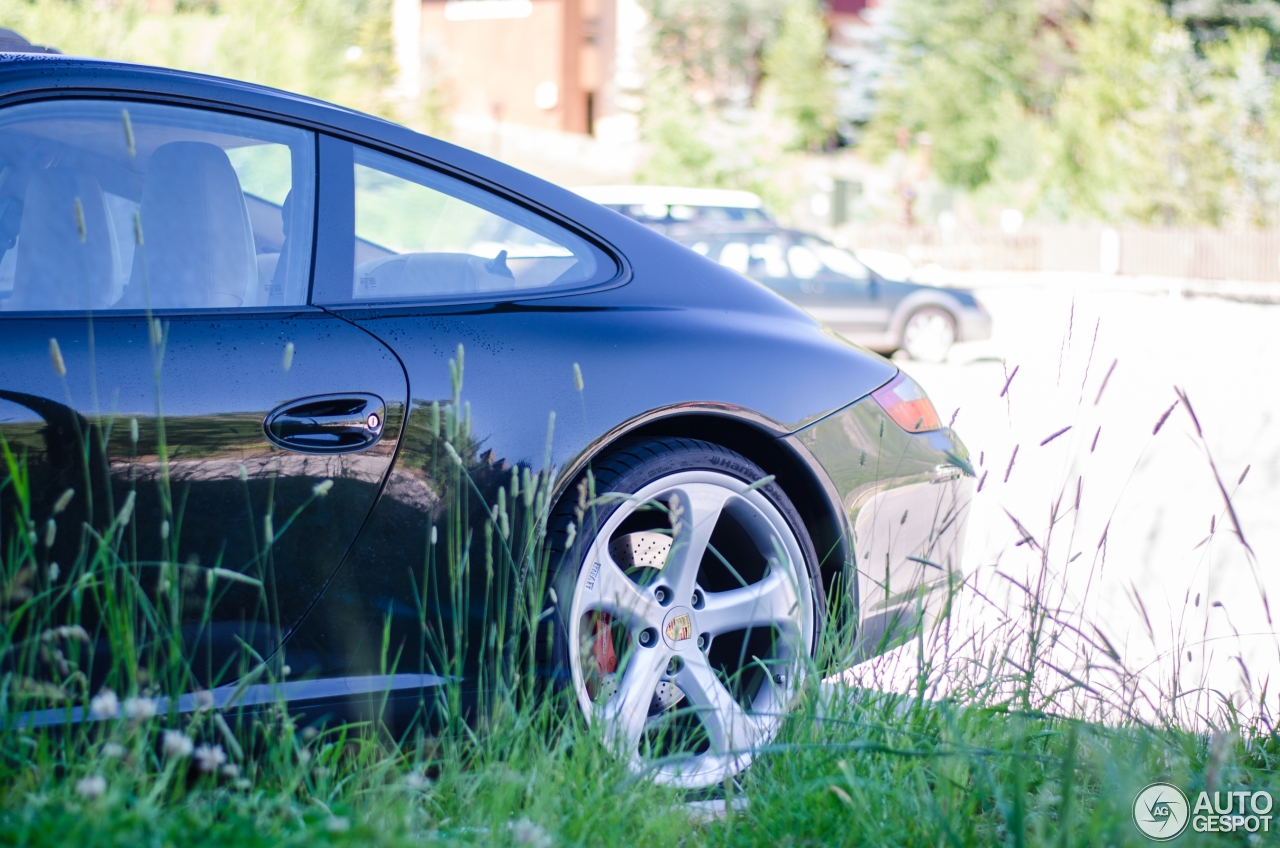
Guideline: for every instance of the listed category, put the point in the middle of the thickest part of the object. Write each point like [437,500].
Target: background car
[663,207]
[832,285]
[233,325]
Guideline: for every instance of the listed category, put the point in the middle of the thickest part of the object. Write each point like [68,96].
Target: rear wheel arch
[798,474]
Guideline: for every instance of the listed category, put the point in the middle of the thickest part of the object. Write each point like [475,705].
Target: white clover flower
[210,758]
[54,571]
[525,832]
[140,709]
[230,770]
[113,750]
[417,780]
[322,488]
[176,744]
[92,786]
[304,755]
[337,824]
[105,704]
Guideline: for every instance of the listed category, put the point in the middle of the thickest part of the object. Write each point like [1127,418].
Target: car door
[164,384]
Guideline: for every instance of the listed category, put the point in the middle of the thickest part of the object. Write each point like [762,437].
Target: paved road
[1154,496]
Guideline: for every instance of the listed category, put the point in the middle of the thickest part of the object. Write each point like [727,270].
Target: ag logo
[1160,811]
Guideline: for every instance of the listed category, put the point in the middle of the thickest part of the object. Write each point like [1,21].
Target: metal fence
[1248,255]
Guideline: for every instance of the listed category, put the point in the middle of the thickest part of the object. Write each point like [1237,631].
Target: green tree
[798,73]
[714,46]
[297,45]
[1150,131]
[973,74]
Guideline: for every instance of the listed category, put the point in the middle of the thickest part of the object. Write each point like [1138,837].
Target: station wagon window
[422,234]
[112,205]
[818,256]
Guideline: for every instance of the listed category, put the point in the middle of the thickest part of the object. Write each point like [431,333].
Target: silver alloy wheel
[929,334]
[683,677]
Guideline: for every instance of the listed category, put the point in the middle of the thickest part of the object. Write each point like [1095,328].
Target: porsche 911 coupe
[228,319]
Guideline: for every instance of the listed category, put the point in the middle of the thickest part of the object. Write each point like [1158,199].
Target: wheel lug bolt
[696,600]
[660,594]
[671,666]
[646,637]
[779,679]
[702,641]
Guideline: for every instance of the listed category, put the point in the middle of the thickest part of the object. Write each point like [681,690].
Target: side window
[834,259]
[422,234]
[767,259]
[109,205]
[736,255]
[804,263]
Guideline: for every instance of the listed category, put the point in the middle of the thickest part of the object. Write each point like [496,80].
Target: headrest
[54,269]
[197,246]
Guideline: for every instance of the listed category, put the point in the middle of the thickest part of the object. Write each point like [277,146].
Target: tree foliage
[1111,111]
[715,46]
[968,72]
[799,74]
[298,45]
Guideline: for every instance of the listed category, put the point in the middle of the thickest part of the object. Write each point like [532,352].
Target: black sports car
[232,330]
[832,285]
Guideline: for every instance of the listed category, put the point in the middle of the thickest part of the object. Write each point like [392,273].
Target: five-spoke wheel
[692,610]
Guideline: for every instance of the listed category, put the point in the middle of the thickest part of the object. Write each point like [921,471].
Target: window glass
[108,205]
[419,233]
[767,259]
[840,261]
[736,255]
[805,264]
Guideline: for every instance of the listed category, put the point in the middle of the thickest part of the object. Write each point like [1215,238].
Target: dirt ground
[1161,585]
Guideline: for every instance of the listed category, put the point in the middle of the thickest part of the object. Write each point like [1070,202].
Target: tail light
[905,402]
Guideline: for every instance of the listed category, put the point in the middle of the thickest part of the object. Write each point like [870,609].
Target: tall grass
[1030,731]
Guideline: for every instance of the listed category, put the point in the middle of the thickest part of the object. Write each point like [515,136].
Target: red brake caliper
[606,656]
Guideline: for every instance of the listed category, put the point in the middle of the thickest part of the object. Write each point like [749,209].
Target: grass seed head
[80,228]
[55,353]
[64,501]
[128,133]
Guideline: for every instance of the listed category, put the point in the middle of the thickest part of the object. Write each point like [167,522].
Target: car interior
[100,211]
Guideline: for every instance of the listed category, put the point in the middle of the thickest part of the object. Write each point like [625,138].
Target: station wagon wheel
[929,334]
[690,610]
